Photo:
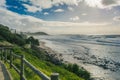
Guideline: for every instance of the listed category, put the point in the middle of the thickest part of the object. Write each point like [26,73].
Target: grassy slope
[7,37]
[43,66]
[5,43]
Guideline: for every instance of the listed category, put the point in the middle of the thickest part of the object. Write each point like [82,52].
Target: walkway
[3,72]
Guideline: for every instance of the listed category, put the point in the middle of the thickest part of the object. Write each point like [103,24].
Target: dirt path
[4,75]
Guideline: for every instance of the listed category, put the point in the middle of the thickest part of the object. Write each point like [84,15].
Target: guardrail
[7,55]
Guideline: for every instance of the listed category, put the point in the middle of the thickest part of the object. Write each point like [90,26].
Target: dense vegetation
[15,38]
[39,58]
[77,70]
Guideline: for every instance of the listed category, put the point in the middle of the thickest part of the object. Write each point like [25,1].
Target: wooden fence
[7,55]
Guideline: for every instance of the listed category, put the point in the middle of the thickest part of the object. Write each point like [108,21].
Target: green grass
[14,74]
[46,67]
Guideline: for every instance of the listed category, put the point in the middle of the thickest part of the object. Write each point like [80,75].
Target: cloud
[2,3]
[59,10]
[17,21]
[32,8]
[29,23]
[37,5]
[93,3]
[76,18]
[102,3]
[70,8]
[42,3]
[84,14]
[46,13]
[108,2]
[45,4]
[117,18]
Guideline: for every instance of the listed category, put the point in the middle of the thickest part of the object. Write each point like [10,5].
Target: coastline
[55,57]
[59,56]
[49,50]
[91,67]
[84,58]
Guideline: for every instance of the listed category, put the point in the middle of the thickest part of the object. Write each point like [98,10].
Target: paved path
[3,72]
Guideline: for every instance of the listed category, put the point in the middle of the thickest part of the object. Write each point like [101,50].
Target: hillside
[38,58]
[37,33]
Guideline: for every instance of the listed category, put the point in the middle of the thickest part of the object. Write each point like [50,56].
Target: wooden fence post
[11,58]
[0,54]
[5,55]
[22,68]
[55,76]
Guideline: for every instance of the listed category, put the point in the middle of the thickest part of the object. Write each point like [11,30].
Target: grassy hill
[38,58]
[44,66]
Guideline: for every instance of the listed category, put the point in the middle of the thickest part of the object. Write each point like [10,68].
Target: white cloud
[2,3]
[28,23]
[70,8]
[84,14]
[117,18]
[24,0]
[102,3]
[32,8]
[76,18]
[46,13]
[42,3]
[59,10]
[17,21]
[94,3]
[45,4]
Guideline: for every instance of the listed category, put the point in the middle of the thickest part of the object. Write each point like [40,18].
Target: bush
[77,70]
[32,41]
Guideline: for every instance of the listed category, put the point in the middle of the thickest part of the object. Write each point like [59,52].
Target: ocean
[99,54]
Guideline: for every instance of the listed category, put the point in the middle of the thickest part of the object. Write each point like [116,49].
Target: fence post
[5,55]
[0,54]
[22,68]
[11,58]
[55,76]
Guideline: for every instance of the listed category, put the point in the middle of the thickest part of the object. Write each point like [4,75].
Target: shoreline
[84,63]
[86,59]
[56,57]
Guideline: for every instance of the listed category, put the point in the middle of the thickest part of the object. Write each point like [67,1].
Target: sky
[62,16]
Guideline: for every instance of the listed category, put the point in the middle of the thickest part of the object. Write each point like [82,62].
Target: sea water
[99,54]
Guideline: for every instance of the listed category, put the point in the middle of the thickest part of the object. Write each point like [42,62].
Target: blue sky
[62,16]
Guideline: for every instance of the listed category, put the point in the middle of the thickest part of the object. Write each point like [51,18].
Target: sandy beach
[97,57]
[52,53]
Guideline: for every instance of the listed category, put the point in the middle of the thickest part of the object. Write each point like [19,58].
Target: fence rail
[7,55]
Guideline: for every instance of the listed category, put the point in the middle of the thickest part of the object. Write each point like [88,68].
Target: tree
[32,41]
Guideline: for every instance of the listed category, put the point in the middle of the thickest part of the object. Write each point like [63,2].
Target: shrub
[77,70]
